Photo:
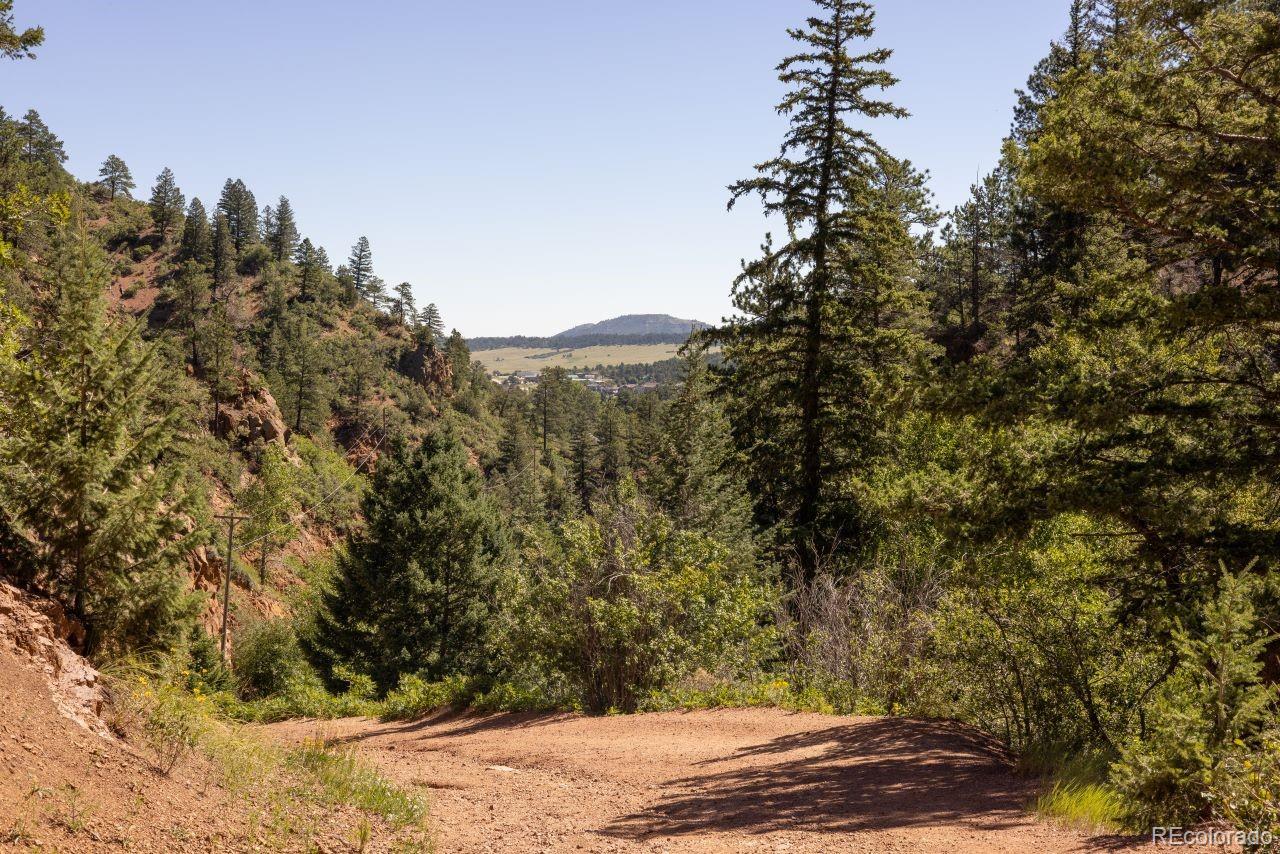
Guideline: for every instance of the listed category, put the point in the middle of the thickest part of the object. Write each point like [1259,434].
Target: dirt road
[734,780]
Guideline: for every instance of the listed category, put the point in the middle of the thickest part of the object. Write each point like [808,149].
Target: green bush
[1209,753]
[1033,649]
[266,659]
[621,605]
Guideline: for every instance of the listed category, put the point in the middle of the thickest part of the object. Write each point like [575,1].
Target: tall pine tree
[166,203]
[283,237]
[822,324]
[91,484]
[115,177]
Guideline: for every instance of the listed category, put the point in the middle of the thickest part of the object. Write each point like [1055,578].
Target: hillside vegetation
[1013,464]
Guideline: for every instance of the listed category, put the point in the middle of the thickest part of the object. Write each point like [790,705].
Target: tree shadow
[457,723]
[873,774]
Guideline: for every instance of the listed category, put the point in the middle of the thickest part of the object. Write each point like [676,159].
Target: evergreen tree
[267,223]
[240,208]
[360,371]
[583,455]
[217,348]
[282,238]
[407,310]
[197,237]
[41,150]
[517,466]
[224,259]
[346,286]
[91,484]
[15,44]
[311,269]
[696,480]
[431,323]
[115,177]
[301,387]
[824,328]
[1154,377]
[271,503]
[413,591]
[611,438]
[459,356]
[548,406]
[191,293]
[360,267]
[166,203]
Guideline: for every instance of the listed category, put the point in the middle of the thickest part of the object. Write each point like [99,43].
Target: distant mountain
[636,324]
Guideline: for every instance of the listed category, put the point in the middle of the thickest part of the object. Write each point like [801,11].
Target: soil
[709,781]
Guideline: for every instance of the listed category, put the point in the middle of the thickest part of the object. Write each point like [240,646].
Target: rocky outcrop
[428,366]
[37,633]
[252,415]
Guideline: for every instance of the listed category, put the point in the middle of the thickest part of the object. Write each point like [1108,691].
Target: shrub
[1032,647]
[621,605]
[1209,732]
[253,260]
[266,659]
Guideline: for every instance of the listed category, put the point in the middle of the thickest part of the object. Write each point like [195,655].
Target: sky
[527,166]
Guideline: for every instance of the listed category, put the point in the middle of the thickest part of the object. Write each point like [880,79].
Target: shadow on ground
[867,775]
[458,723]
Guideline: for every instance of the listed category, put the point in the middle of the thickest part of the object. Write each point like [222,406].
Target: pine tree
[224,259]
[271,504]
[517,465]
[611,438]
[818,312]
[96,491]
[41,150]
[311,269]
[431,322]
[197,237]
[301,387]
[346,286]
[14,44]
[166,203]
[697,480]
[413,591]
[459,356]
[240,208]
[583,455]
[218,368]
[548,406]
[283,238]
[406,308]
[191,292]
[115,177]
[267,222]
[360,266]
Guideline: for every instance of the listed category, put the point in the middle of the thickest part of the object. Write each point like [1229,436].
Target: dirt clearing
[732,780]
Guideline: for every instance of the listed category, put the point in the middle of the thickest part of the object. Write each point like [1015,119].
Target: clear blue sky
[528,166]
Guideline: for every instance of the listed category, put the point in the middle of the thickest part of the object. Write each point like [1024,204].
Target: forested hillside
[1012,464]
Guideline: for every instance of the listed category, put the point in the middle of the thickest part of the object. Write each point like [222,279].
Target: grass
[342,778]
[284,791]
[507,360]
[1080,795]
[1083,805]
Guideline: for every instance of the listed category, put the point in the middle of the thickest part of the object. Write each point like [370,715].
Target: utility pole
[231,519]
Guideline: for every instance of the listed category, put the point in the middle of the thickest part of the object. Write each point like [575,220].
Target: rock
[252,415]
[428,366]
[38,632]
